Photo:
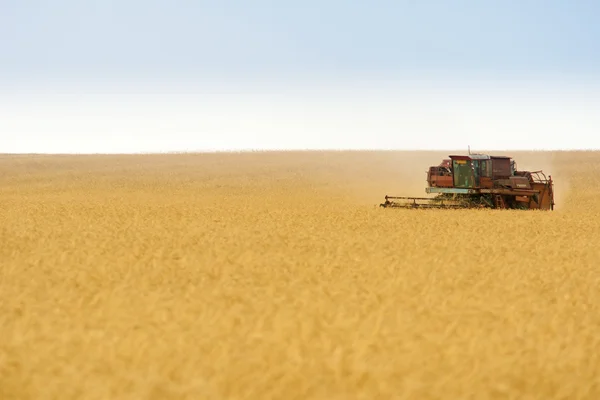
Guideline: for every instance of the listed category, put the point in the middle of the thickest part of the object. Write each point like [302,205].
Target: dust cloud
[366,177]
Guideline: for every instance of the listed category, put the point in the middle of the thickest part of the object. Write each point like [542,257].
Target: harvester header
[481,181]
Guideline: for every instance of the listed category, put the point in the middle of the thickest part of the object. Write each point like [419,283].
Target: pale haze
[133,76]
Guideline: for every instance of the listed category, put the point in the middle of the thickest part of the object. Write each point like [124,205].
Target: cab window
[463,173]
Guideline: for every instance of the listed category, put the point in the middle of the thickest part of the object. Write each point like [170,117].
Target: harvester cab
[481,181]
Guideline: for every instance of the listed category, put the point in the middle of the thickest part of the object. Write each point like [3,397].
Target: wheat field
[276,276]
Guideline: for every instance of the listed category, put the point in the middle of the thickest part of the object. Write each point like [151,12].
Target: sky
[157,76]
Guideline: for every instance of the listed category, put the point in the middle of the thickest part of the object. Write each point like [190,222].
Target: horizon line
[342,150]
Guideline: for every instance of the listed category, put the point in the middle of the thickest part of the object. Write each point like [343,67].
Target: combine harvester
[481,181]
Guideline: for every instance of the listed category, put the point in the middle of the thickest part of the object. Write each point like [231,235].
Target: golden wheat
[274,275]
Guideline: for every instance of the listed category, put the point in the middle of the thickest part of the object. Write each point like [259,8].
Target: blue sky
[470,57]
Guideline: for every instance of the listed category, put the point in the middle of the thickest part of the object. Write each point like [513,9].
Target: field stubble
[274,275]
